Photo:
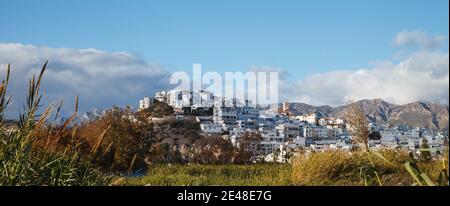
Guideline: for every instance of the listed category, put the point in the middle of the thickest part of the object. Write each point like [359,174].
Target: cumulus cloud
[101,79]
[423,76]
[419,38]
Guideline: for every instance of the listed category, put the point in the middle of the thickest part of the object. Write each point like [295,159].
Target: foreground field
[198,175]
[327,168]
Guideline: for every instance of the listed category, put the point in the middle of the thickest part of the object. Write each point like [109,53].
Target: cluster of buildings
[181,101]
[282,132]
[401,136]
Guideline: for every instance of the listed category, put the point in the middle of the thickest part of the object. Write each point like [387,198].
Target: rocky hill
[417,114]
[301,108]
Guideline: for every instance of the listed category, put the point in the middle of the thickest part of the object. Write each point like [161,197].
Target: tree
[250,145]
[213,151]
[164,153]
[425,153]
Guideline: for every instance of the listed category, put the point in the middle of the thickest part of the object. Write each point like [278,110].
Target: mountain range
[416,114]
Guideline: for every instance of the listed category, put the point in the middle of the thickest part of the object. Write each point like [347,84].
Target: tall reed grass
[22,162]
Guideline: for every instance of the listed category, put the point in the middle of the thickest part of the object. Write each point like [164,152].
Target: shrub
[125,144]
[157,109]
[163,153]
[213,151]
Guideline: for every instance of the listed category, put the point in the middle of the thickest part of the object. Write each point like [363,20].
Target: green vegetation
[334,168]
[428,172]
[196,175]
[342,168]
[425,153]
[23,163]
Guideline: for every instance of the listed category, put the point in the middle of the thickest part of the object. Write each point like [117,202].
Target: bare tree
[358,125]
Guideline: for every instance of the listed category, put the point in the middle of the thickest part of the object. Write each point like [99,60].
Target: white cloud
[419,38]
[103,79]
[419,76]
[100,78]
[423,76]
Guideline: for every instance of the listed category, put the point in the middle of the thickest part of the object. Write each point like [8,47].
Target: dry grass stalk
[358,125]
[100,140]
[25,160]
[4,101]
[360,134]
[132,163]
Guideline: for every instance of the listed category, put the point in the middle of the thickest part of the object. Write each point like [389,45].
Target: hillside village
[285,132]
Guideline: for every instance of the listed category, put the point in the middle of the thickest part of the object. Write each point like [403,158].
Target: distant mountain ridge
[416,114]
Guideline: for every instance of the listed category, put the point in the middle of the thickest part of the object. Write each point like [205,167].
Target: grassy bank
[197,175]
[331,168]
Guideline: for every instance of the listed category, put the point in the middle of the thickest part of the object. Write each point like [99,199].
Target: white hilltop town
[284,134]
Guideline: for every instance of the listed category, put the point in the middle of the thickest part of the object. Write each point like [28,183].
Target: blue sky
[333,51]
[302,37]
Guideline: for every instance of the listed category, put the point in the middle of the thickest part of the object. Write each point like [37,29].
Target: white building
[413,134]
[144,103]
[300,141]
[333,133]
[389,140]
[314,132]
[201,99]
[161,96]
[331,122]
[310,118]
[269,134]
[319,147]
[266,148]
[341,144]
[389,135]
[179,99]
[211,128]
[435,143]
[247,113]
[229,116]
[225,116]
[203,119]
[289,129]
